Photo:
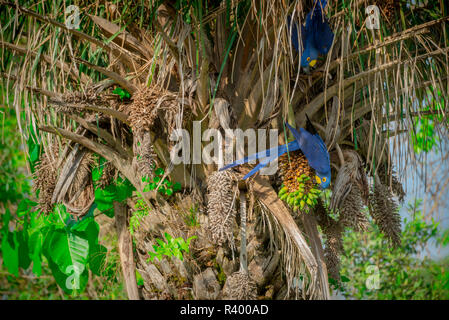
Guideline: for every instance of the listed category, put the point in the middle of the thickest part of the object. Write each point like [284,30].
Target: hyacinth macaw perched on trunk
[308,141]
[316,35]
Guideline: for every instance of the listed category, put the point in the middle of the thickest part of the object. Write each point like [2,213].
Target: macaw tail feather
[309,126]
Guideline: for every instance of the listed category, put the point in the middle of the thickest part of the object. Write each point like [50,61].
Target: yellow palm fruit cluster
[298,188]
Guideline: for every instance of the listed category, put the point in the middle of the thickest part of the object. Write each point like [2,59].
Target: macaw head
[309,57]
[323,179]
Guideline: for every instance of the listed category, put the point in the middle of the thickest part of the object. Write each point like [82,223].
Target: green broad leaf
[22,240]
[156,179]
[97,259]
[344,279]
[67,254]
[159,171]
[169,191]
[104,198]
[123,190]
[10,253]
[35,242]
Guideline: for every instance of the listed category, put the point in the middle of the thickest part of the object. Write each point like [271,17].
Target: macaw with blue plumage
[317,36]
[309,142]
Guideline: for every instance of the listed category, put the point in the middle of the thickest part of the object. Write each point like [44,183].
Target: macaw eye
[308,59]
[324,179]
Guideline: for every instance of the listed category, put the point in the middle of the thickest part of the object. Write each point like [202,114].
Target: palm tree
[116,88]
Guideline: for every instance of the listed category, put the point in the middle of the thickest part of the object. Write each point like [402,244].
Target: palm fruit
[298,188]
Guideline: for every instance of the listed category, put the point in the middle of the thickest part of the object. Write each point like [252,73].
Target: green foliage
[425,139]
[191,219]
[119,190]
[71,248]
[141,212]
[401,272]
[123,94]
[173,247]
[166,187]
[14,184]
[424,135]
[67,248]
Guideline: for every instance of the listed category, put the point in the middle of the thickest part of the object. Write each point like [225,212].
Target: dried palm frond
[80,195]
[89,96]
[385,213]
[74,185]
[221,193]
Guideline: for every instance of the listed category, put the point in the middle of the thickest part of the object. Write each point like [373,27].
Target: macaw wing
[292,146]
[313,148]
[323,37]
[316,153]
[293,30]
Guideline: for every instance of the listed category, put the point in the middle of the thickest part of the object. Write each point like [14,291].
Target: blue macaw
[317,36]
[308,141]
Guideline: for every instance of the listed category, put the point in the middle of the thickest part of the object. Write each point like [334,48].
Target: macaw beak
[312,63]
[318,180]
